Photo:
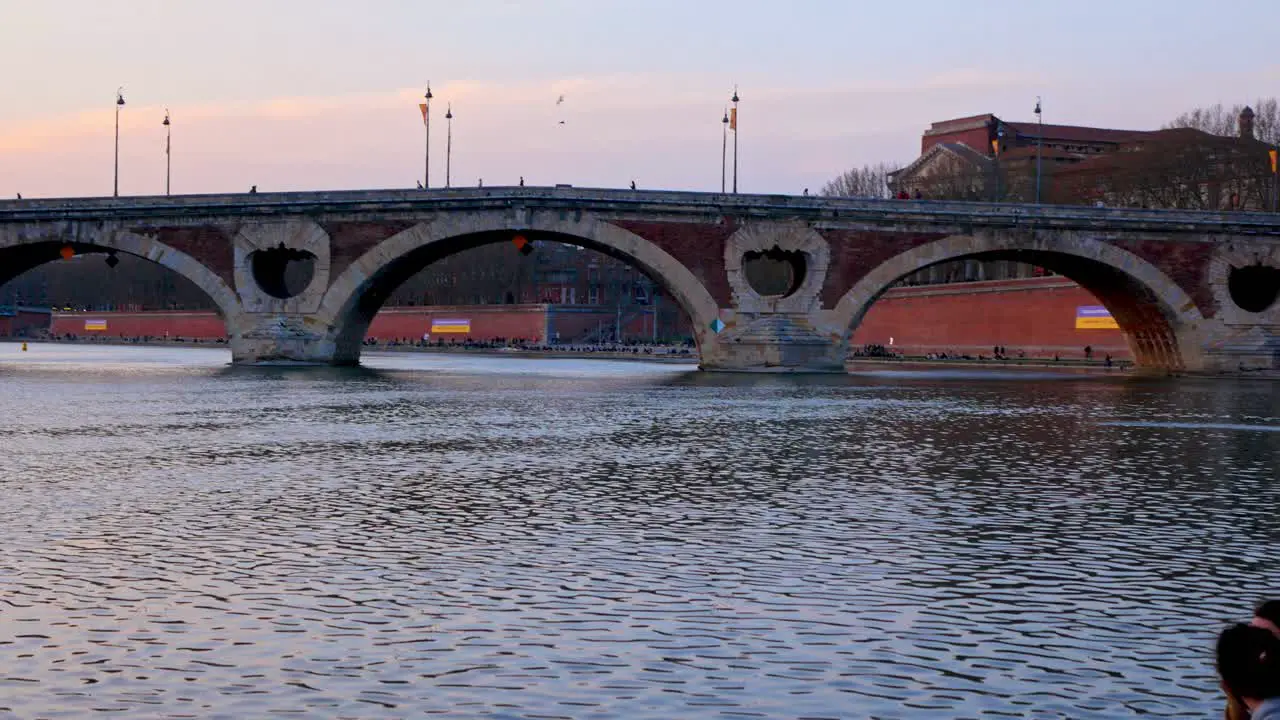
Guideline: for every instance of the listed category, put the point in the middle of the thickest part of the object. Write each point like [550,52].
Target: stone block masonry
[300,277]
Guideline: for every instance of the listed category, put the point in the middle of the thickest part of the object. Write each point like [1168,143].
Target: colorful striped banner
[1094,317]
[450,325]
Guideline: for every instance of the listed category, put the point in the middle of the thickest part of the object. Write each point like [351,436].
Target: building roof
[1076,133]
[964,151]
[960,150]
[960,130]
[1138,152]
[943,127]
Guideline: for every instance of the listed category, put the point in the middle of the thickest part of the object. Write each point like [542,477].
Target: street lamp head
[448,112]
[1037,106]
[166,117]
[725,119]
[735,95]
[120,95]
[428,95]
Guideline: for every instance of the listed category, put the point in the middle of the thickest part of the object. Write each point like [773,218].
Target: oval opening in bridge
[1254,288]
[283,272]
[774,272]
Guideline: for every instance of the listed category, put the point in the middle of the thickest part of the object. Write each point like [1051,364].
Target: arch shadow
[1159,318]
[18,255]
[355,296]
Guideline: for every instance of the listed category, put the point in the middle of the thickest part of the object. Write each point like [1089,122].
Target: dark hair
[1249,661]
[1269,610]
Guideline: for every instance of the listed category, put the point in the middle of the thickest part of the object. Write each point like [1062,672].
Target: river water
[514,538]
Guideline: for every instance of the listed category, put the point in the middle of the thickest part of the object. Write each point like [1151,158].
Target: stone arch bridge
[1195,291]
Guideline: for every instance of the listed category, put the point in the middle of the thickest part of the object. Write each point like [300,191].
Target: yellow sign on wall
[1095,317]
[450,325]
[95,325]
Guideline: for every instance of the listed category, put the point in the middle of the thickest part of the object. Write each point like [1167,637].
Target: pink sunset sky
[298,95]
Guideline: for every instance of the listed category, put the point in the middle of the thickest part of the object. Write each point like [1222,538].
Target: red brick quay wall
[530,323]
[519,322]
[1031,316]
[187,324]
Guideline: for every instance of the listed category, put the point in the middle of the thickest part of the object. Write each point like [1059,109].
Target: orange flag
[1274,155]
[423,108]
[733,119]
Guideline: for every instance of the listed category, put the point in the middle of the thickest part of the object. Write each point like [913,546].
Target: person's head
[1268,616]
[1249,663]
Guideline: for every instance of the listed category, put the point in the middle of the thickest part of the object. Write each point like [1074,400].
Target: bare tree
[1222,120]
[868,181]
[1174,168]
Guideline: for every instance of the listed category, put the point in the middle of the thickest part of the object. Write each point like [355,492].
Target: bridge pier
[281,338]
[775,343]
[764,343]
[775,272]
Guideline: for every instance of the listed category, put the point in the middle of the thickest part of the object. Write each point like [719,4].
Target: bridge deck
[610,202]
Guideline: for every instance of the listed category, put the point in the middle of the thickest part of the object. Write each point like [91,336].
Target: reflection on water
[558,538]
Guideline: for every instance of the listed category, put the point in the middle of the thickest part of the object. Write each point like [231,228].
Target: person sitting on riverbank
[1249,667]
[1267,617]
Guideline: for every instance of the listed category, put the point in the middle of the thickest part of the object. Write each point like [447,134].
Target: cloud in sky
[322,93]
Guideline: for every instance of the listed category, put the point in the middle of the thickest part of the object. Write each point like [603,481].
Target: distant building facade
[983,157]
[986,158]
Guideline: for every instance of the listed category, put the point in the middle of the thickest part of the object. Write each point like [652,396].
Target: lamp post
[426,120]
[724,148]
[168,148]
[115,187]
[734,127]
[995,147]
[448,147]
[1039,144]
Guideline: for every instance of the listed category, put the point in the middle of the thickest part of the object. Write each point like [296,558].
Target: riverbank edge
[669,358]
[1079,367]
[853,365]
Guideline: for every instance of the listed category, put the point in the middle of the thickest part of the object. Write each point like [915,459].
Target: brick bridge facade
[1194,291]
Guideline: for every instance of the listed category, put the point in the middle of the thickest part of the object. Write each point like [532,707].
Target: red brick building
[986,158]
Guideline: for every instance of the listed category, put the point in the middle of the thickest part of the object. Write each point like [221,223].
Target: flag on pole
[733,119]
[423,108]
[995,147]
[1274,155]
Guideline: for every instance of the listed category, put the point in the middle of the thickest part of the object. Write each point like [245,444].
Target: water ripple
[538,539]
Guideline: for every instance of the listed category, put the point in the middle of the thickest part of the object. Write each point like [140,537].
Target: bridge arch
[20,252]
[356,295]
[1160,319]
